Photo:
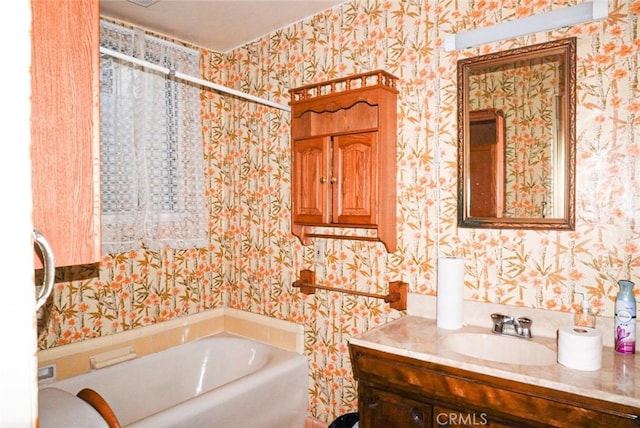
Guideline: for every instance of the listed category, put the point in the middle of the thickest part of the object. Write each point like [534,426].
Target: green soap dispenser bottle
[625,320]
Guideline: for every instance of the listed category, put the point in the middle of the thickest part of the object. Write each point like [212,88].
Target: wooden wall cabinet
[398,392]
[344,156]
[65,129]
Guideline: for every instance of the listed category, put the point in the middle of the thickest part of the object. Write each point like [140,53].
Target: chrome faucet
[510,326]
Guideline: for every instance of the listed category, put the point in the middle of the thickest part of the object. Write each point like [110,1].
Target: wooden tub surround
[408,378]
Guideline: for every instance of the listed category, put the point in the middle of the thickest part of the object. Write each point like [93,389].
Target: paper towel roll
[450,298]
[580,348]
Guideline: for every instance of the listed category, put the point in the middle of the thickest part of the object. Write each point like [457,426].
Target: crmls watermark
[462,419]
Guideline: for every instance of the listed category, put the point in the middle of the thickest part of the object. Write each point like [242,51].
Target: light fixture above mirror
[557,18]
[516,138]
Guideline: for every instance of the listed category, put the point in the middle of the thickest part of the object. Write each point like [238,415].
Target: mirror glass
[516,138]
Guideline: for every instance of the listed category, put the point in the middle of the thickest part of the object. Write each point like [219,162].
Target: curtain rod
[192,79]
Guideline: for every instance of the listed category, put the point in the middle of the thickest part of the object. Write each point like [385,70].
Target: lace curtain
[152,172]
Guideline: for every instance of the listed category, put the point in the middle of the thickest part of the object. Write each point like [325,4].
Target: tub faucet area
[510,326]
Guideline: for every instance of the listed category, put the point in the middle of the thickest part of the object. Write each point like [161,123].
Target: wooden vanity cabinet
[65,128]
[397,392]
[344,156]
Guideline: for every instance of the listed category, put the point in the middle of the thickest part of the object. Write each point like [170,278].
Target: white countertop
[416,337]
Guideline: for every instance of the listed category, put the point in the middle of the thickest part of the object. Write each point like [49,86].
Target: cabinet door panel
[65,128]
[355,163]
[311,180]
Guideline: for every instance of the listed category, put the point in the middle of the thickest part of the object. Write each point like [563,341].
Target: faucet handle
[497,322]
[497,318]
[525,324]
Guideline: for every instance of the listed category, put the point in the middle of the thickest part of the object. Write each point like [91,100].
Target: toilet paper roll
[450,298]
[580,348]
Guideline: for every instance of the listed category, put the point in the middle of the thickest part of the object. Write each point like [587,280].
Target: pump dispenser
[584,317]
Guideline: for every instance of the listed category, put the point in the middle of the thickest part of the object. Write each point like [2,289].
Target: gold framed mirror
[516,138]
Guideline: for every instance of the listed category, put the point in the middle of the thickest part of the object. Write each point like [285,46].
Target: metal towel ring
[49,268]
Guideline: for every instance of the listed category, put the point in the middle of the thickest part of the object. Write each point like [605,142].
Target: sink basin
[501,349]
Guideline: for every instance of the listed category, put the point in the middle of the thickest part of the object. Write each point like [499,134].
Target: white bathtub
[220,381]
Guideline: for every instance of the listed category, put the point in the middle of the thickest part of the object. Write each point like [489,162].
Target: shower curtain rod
[192,79]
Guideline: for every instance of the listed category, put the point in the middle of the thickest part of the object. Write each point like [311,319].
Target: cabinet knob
[323,180]
[416,416]
[334,180]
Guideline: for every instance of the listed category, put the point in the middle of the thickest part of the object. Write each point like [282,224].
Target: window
[152,172]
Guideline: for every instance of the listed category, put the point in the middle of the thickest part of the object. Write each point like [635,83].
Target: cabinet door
[355,165]
[65,128]
[379,409]
[311,180]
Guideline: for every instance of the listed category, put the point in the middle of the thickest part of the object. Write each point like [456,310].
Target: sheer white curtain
[152,172]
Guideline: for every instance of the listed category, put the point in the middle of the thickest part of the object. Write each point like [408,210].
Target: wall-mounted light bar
[572,15]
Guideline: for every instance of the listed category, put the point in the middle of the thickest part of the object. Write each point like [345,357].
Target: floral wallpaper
[526,93]
[252,258]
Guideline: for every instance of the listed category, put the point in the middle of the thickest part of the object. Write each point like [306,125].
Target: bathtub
[220,381]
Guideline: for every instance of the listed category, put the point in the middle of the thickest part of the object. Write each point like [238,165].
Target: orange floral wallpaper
[252,258]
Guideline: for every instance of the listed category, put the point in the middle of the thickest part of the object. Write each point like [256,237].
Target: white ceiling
[218,25]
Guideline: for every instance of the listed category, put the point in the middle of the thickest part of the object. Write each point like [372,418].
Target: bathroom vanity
[409,376]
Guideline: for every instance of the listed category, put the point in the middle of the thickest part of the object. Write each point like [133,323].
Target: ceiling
[218,25]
